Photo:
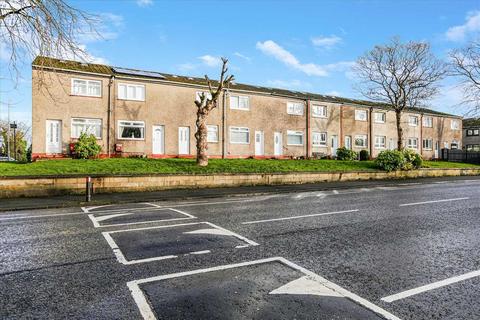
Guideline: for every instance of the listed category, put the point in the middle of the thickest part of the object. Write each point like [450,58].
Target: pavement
[366,250]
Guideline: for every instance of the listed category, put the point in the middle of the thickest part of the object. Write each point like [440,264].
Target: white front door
[158,140]
[259,143]
[277,144]
[391,144]
[437,148]
[334,145]
[348,142]
[183,140]
[54,136]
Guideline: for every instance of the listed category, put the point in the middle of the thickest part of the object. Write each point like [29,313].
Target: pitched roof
[471,122]
[48,62]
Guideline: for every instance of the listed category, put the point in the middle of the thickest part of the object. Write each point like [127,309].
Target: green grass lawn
[146,166]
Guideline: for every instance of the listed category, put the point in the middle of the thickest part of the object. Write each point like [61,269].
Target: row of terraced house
[134,112]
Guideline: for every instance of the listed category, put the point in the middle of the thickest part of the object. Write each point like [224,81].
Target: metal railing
[456,155]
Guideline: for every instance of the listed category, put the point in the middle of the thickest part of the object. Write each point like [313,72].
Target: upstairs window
[413,121]
[88,126]
[198,94]
[455,125]
[319,139]
[294,138]
[319,111]
[134,92]
[131,130]
[88,88]
[361,115]
[240,102]
[473,132]
[295,108]
[212,133]
[380,117]
[428,122]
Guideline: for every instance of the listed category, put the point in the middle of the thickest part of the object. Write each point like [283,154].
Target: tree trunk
[398,115]
[201,136]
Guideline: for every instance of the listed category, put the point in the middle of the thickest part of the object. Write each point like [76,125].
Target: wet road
[408,251]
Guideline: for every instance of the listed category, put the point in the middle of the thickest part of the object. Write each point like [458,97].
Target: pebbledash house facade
[133,112]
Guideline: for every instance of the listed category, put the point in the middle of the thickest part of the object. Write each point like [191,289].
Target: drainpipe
[371,131]
[224,120]
[421,135]
[307,138]
[341,138]
[109,110]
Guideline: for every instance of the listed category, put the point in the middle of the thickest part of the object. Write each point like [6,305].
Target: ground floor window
[454,145]
[319,139]
[427,144]
[473,147]
[412,143]
[239,135]
[88,126]
[294,138]
[361,141]
[212,133]
[380,142]
[132,130]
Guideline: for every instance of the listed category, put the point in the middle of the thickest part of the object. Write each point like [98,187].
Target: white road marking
[148,314]
[299,217]
[43,216]
[335,191]
[305,285]
[432,201]
[212,231]
[122,259]
[200,252]
[431,286]
[89,209]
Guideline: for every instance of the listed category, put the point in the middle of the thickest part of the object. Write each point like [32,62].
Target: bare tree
[42,27]
[400,75]
[466,65]
[206,103]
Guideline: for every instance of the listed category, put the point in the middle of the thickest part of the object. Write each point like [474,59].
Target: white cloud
[288,84]
[270,48]
[210,61]
[106,27]
[144,3]
[244,57]
[471,25]
[326,42]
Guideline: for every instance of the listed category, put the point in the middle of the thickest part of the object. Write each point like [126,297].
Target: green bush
[392,160]
[87,147]
[346,154]
[364,155]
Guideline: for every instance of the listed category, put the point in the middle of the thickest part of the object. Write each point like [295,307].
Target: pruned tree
[205,104]
[400,75]
[465,64]
[43,27]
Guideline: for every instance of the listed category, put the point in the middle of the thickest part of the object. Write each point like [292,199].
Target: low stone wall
[44,186]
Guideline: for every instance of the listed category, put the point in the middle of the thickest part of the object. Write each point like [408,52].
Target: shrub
[87,147]
[346,154]
[364,155]
[391,160]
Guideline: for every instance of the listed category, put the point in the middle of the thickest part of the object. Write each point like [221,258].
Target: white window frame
[363,137]
[428,145]
[428,122]
[379,144]
[319,111]
[454,142]
[295,108]
[321,141]
[126,97]
[134,123]
[383,119]
[238,107]
[454,125]
[199,93]
[209,128]
[359,112]
[295,133]
[411,145]
[239,129]
[88,83]
[86,124]
[412,122]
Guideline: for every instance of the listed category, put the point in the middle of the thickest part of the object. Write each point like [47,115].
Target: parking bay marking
[299,217]
[310,284]
[213,230]
[432,201]
[431,286]
[96,220]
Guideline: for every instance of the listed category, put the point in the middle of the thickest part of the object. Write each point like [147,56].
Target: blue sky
[300,45]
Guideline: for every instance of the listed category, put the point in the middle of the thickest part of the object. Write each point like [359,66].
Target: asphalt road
[402,251]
